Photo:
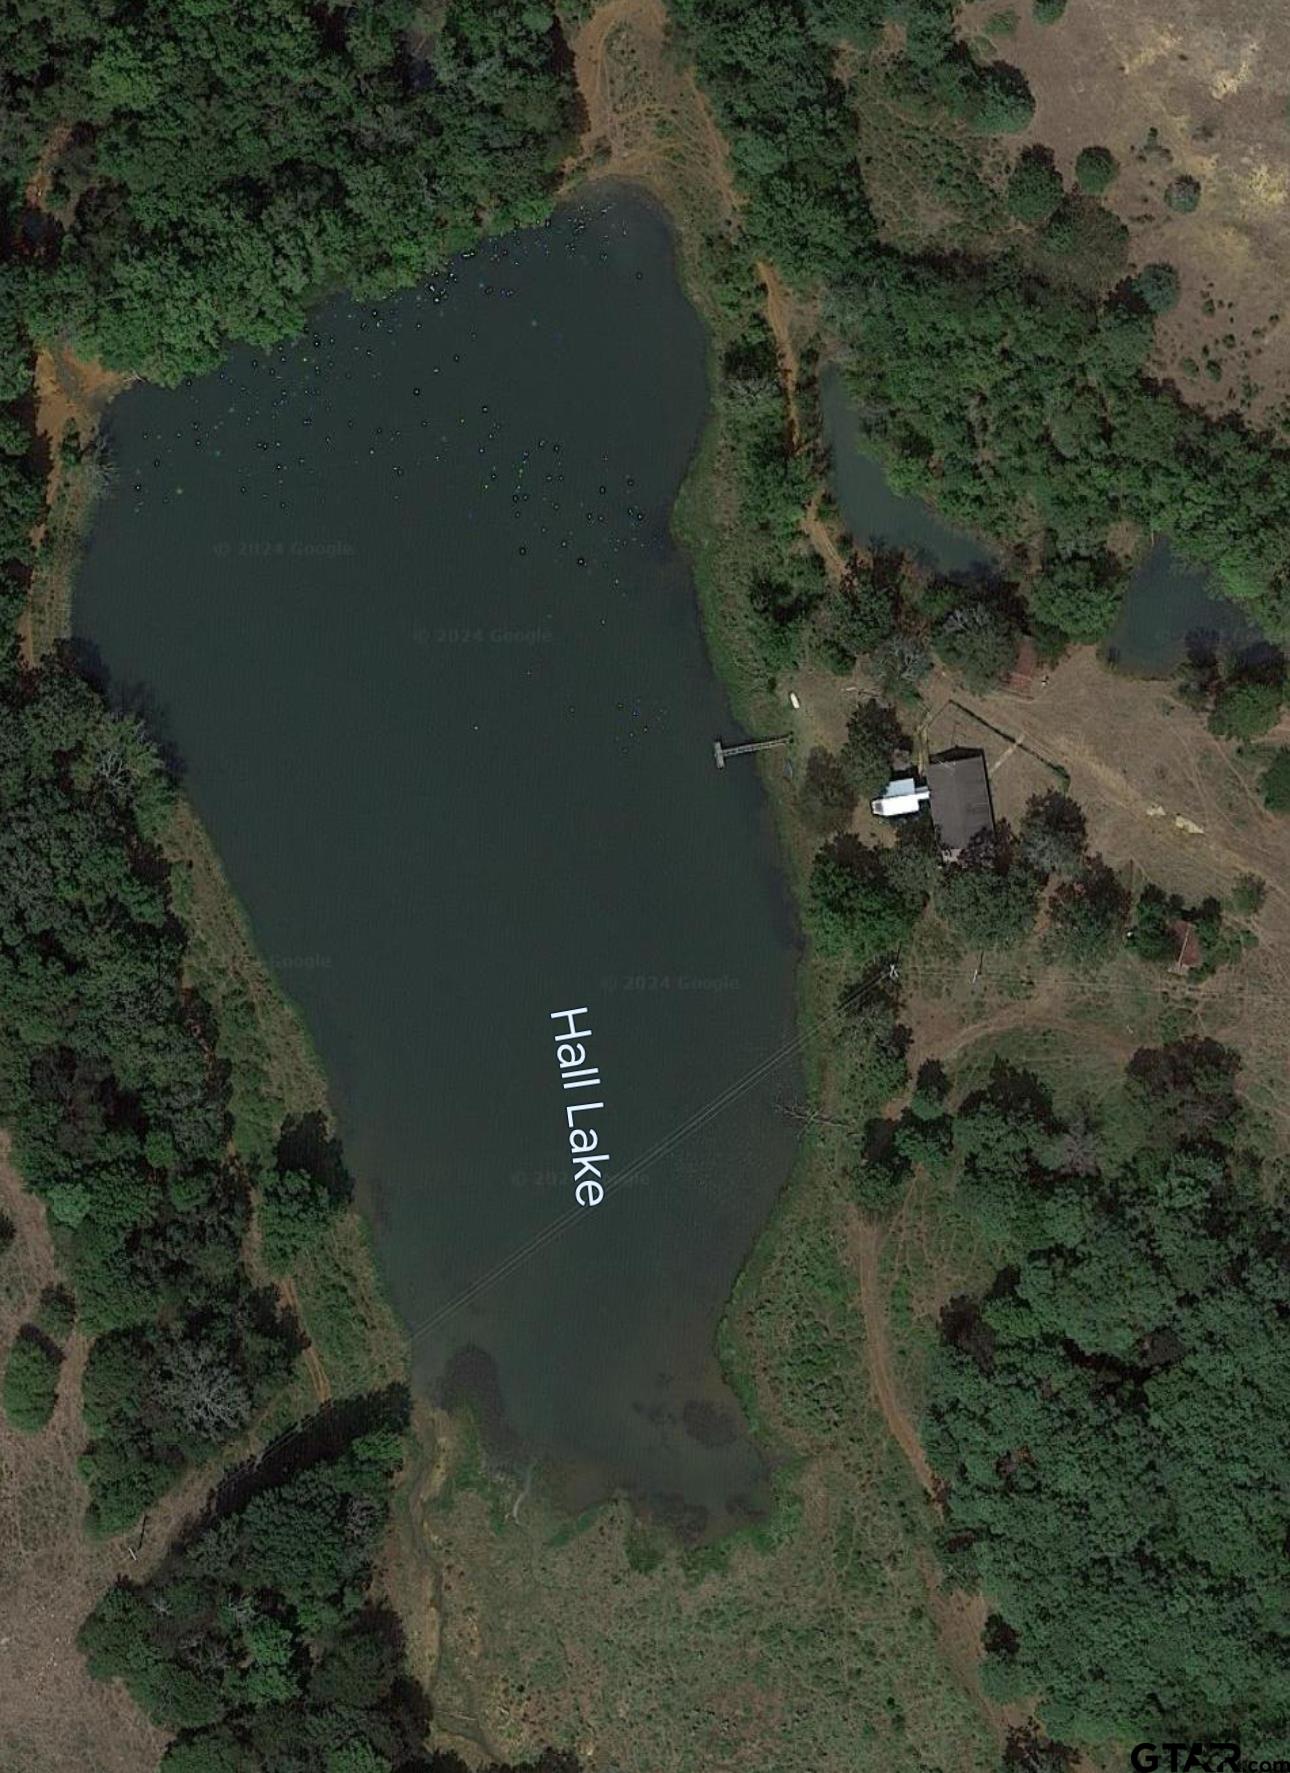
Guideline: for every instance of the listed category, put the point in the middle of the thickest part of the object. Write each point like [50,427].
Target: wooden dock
[720,752]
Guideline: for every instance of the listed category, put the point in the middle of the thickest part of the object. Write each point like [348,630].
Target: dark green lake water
[405,597]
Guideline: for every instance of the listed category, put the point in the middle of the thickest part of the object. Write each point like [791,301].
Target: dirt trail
[779,319]
[865,1244]
[38,185]
[313,1361]
[646,117]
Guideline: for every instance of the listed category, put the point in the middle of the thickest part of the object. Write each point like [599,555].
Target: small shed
[960,795]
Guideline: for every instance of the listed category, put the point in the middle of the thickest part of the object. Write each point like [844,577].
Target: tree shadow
[319,1439]
[83,658]
[308,1145]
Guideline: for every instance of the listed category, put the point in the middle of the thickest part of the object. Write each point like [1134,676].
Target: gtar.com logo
[1186,1757]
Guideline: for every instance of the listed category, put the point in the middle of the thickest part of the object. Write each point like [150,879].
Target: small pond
[874,513]
[1169,605]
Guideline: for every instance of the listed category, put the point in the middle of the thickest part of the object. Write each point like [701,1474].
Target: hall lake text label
[577,1076]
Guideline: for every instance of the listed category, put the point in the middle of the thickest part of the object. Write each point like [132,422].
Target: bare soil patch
[1167,801]
[646,118]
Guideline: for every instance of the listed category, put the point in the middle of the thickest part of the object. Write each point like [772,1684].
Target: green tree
[1099,1409]
[1034,186]
[1157,286]
[55,1313]
[31,1380]
[1246,707]
[852,906]
[269,1597]
[874,736]
[295,1210]
[826,798]
[861,613]
[1275,781]
[978,640]
[1088,915]
[990,895]
[1079,595]
[1054,833]
[1095,170]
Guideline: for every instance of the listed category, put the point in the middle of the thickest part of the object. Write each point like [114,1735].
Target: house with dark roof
[959,786]
[957,789]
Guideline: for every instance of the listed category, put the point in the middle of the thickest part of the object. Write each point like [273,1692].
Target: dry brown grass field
[1181,87]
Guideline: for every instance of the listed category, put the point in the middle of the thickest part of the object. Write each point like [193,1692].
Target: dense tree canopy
[1107,1414]
[229,166]
[256,1639]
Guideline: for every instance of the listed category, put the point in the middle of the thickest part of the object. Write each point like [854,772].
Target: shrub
[1251,890]
[1047,12]
[8,1232]
[1157,286]
[1035,187]
[1275,783]
[1095,170]
[56,1313]
[1183,194]
[31,1380]
[1244,708]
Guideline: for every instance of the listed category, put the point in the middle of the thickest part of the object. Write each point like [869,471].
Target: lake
[405,598]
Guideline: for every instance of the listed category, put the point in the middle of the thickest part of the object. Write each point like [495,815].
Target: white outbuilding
[901,795]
